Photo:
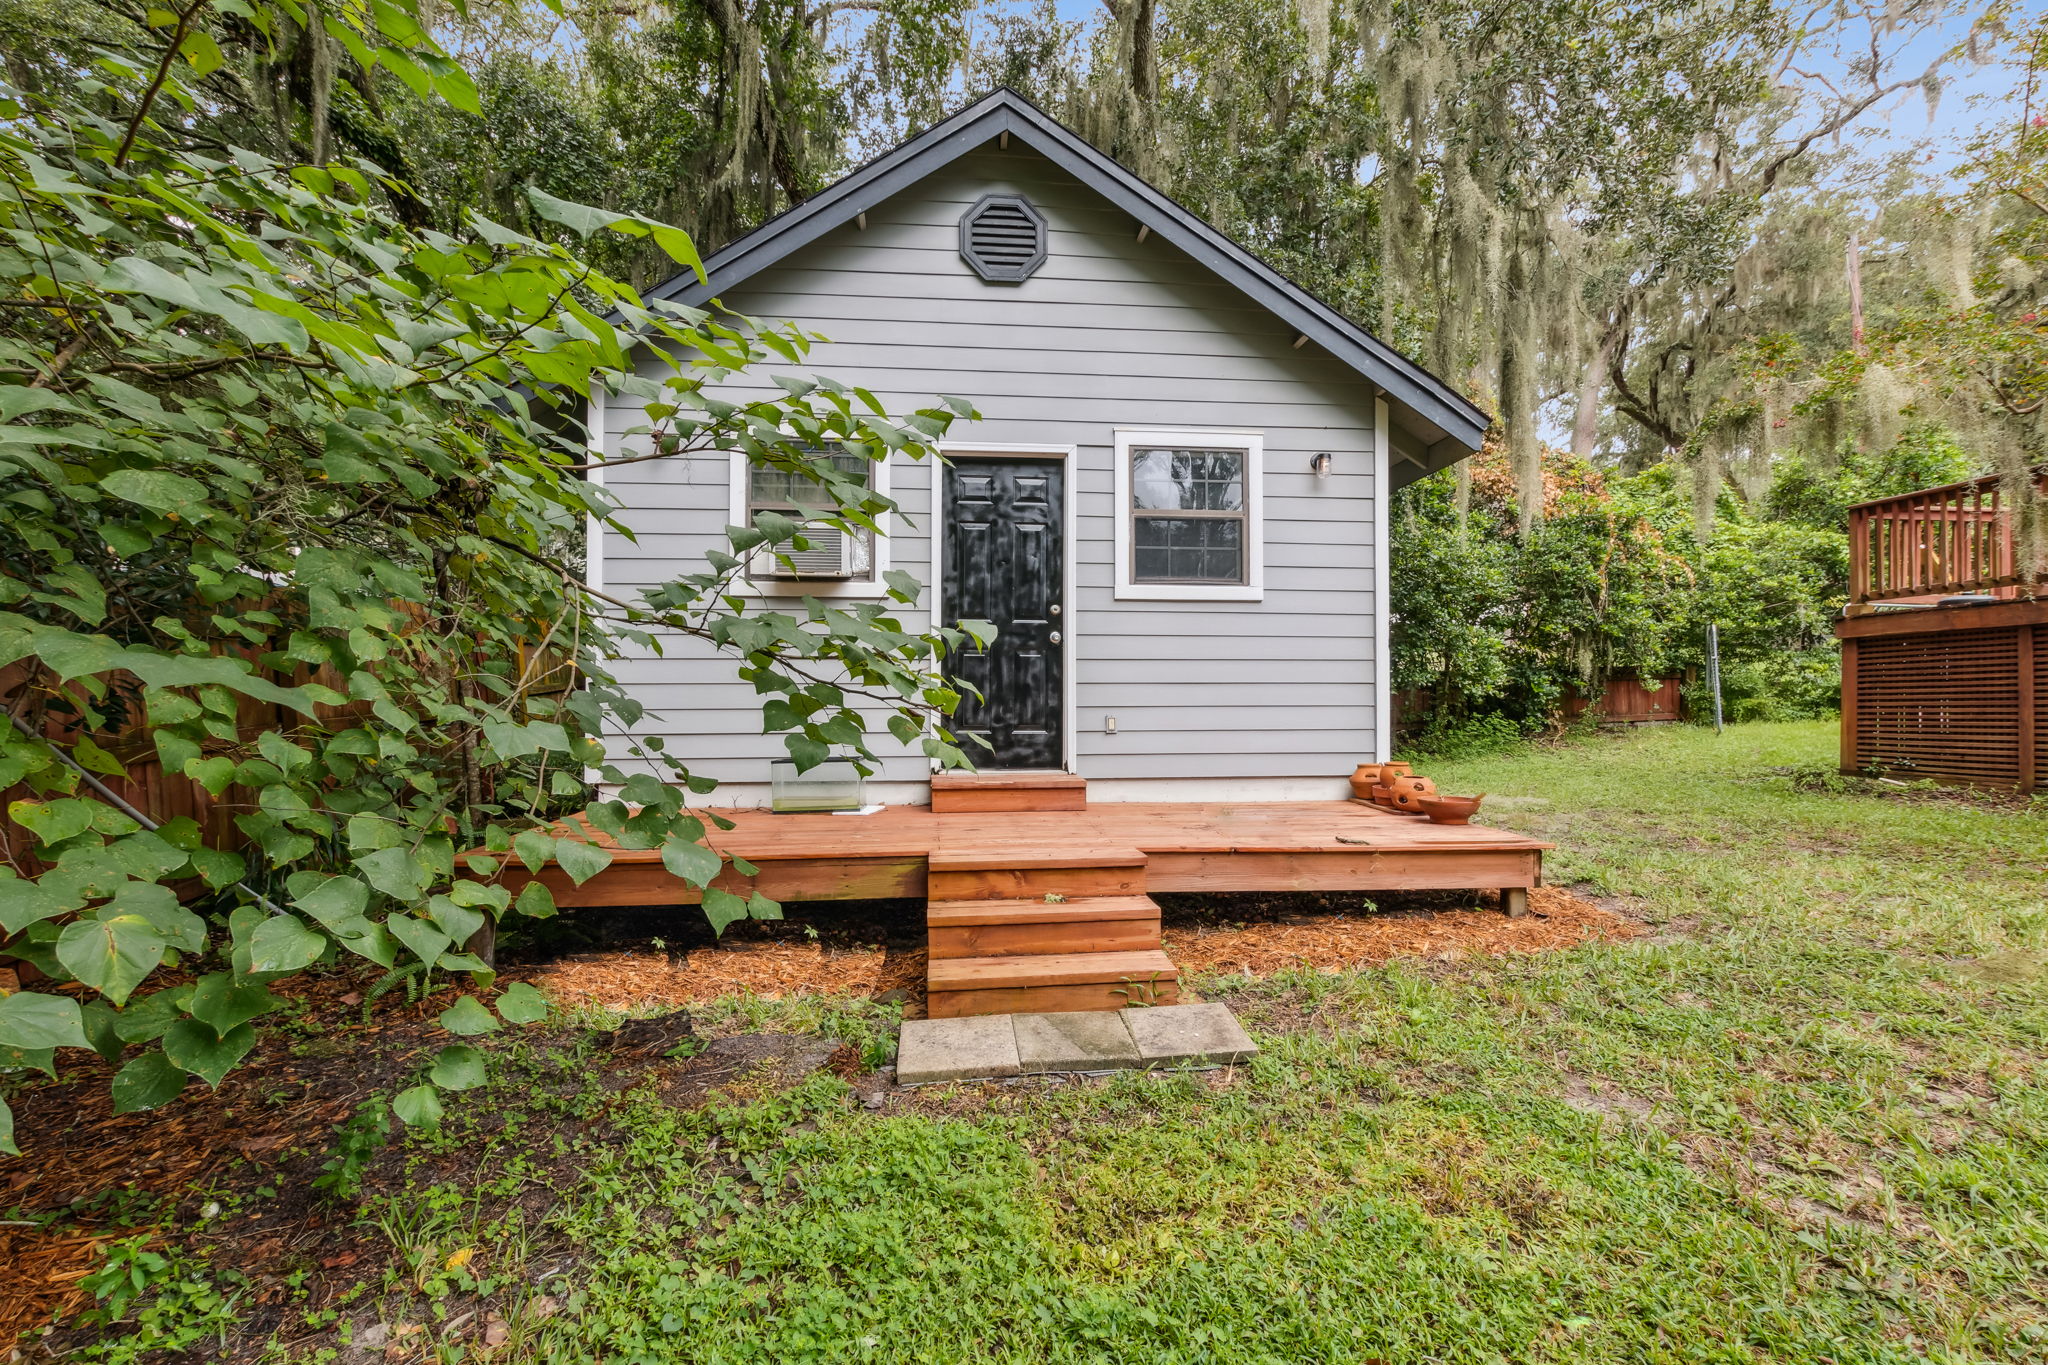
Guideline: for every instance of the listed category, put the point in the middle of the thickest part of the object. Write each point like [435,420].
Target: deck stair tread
[1063,969]
[971,794]
[967,857]
[1007,781]
[961,914]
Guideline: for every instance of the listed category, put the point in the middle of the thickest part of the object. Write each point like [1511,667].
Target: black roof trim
[1006,111]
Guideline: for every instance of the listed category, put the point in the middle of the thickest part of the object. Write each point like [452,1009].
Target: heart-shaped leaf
[29,1019]
[423,940]
[520,1003]
[193,1046]
[535,901]
[394,871]
[215,774]
[468,1018]
[148,1081]
[535,847]
[336,902]
[691,861]
[111,955]
[458,1067]
[283,944]
[419,1107]
[580,860]
[225,1002]
[23,902]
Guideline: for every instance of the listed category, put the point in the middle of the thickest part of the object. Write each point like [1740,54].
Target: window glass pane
[784,488]
[1205,480]
[834,554]
[1188,549]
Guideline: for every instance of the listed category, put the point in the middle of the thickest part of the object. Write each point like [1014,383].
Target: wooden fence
[1626,700]
[165,796]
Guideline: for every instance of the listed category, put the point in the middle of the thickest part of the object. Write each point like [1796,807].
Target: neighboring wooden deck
[1955,694]
[1262,846]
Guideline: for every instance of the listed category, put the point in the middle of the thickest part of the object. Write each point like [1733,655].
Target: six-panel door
[1004,564]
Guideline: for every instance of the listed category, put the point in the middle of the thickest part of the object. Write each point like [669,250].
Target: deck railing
[1937,541]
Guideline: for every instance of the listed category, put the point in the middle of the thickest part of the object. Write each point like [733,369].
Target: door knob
[1055,637]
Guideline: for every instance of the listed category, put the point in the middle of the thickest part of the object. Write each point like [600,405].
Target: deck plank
[1192,846]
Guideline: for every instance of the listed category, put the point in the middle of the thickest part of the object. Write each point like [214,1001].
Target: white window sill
[796,590]
[1190,592]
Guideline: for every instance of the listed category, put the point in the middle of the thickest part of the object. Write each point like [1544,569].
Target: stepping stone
[1171,1034]
[968,1049]
[1093,1040]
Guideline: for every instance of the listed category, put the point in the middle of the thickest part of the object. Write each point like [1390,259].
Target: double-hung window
[838,562]
[1188,515]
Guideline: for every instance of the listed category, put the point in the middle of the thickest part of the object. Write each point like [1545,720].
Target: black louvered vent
[1003,238]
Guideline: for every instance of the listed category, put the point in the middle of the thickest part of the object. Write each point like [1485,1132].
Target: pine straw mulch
[1256,934]
[1411,928]
[632,978]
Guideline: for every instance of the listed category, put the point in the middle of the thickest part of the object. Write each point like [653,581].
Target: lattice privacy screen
[1946,705]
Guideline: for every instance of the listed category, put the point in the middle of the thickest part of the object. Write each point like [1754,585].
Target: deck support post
[1515,901]
[483,944]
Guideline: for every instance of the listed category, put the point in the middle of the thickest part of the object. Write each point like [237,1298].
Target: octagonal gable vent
[1003,238]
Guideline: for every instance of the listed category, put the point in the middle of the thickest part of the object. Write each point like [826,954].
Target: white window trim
[875,586]
[1253,444]
[1068,457]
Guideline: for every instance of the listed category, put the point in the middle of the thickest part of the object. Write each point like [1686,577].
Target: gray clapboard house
[1173,506]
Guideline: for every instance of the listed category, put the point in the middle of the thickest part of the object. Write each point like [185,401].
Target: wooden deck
[1050,907]
[1185,846]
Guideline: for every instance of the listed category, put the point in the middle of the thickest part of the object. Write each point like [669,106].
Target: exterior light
[1320,465]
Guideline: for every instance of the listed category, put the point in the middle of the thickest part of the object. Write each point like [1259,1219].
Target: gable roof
[1442,420]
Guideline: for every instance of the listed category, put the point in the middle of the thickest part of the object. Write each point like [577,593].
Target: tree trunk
[1592,383]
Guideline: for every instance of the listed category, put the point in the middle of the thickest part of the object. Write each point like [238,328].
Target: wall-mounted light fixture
[1320,465]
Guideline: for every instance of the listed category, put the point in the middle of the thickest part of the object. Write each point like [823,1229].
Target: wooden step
[1040,911]
[1050,983]
[1007,928]
[958,793]
[966,873]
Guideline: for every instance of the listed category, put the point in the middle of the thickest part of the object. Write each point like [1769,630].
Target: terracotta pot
[1383,796]
[1390,771]
[1363,780]
[1410,792]
[1451,810]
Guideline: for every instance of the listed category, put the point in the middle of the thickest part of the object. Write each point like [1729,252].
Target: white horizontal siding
[1110,333]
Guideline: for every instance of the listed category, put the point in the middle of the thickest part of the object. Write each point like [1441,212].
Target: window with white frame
[838,561]
[1188,515]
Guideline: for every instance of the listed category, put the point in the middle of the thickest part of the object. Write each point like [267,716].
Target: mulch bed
[1322,934]
[1256,934]
[101,1170]
[94,1176]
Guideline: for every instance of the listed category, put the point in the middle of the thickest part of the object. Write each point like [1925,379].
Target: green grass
[1800,1119]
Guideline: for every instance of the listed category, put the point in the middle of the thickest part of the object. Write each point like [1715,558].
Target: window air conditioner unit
[833,555]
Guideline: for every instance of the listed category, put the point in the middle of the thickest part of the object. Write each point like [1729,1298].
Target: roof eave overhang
[1405,383]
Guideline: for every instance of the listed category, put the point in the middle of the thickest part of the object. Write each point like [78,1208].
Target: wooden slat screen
[2039,716]
[1942,705]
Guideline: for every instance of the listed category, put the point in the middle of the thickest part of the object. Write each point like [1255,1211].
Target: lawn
[1799,1118]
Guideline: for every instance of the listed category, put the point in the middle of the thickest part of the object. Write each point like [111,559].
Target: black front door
[1003,554]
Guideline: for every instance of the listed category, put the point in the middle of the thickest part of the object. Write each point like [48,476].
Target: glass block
[834,784]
